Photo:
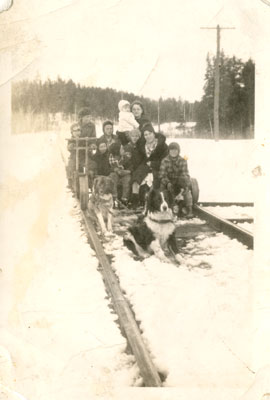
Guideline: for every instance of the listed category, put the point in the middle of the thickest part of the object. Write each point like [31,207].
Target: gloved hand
[71,146]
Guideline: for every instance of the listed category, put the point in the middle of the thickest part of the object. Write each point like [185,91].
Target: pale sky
[149,47]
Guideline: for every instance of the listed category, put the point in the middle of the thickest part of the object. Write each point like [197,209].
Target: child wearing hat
[101,158]
[127,122]
[174,176]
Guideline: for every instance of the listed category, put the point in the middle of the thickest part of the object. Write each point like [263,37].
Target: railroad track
[213,223]
[226,225]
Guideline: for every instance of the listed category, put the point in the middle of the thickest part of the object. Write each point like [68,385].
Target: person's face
[137,110]
[149,136]
[128,154]
[134,138]
[173,153]
[86,119]
[126,108]
[102,148]
[108,130]
[76,132]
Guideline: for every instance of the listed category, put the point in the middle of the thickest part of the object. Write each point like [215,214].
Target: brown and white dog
[154,233]
[101,203]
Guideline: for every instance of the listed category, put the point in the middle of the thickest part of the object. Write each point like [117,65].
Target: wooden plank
[225,226]
[126,319]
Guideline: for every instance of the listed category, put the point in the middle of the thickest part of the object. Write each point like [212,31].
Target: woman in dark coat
[138,111]
[152,151]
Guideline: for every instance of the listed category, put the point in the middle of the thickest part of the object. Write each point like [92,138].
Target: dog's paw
[108,234]
[180,259]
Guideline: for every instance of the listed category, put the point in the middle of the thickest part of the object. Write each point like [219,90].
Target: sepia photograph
[134,200]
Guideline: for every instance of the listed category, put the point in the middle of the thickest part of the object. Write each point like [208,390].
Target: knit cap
[83,112]
[147,127]
[100,141]
[122,103]
[106,123]
[115,149]
[174,146]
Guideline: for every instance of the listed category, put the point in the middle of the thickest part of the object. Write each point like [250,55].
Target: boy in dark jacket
[101,159]
[174,176]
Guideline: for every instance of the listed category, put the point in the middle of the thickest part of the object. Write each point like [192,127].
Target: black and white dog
[154,233]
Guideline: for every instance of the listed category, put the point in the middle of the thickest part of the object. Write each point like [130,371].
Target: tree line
[236,100]
[67,97]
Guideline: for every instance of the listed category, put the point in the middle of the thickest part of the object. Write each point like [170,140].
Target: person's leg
[135,188]
[188,202]
[125,180]
[156,181]
[115,178]
[135,195]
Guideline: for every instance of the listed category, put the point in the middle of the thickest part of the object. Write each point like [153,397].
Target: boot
[134,200]
[189,212]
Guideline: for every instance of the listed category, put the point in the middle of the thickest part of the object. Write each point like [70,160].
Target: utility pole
[217,81]
[158,115]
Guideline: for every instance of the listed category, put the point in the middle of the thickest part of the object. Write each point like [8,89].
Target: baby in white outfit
[127,122]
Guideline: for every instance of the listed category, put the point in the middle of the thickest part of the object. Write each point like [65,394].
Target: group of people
[135,157]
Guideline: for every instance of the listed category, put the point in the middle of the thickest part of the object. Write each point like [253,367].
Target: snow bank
[232,211]
[223,169]
[59,338]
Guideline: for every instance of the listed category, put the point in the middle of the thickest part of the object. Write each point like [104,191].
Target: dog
[101,203]
[154,233]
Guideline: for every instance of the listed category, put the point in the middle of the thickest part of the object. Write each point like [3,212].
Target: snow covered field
[59,337]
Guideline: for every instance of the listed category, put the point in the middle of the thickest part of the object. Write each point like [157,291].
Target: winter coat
[127,122]
[136,156]
[102,162]
[173,170]
[103,138]
[155,158]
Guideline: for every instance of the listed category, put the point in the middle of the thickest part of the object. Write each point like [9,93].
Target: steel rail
[147,369]
[225,226]
[224,204]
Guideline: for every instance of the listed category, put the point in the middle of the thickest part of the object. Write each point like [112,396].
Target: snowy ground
[197,314]
[232,211]
[59,337]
